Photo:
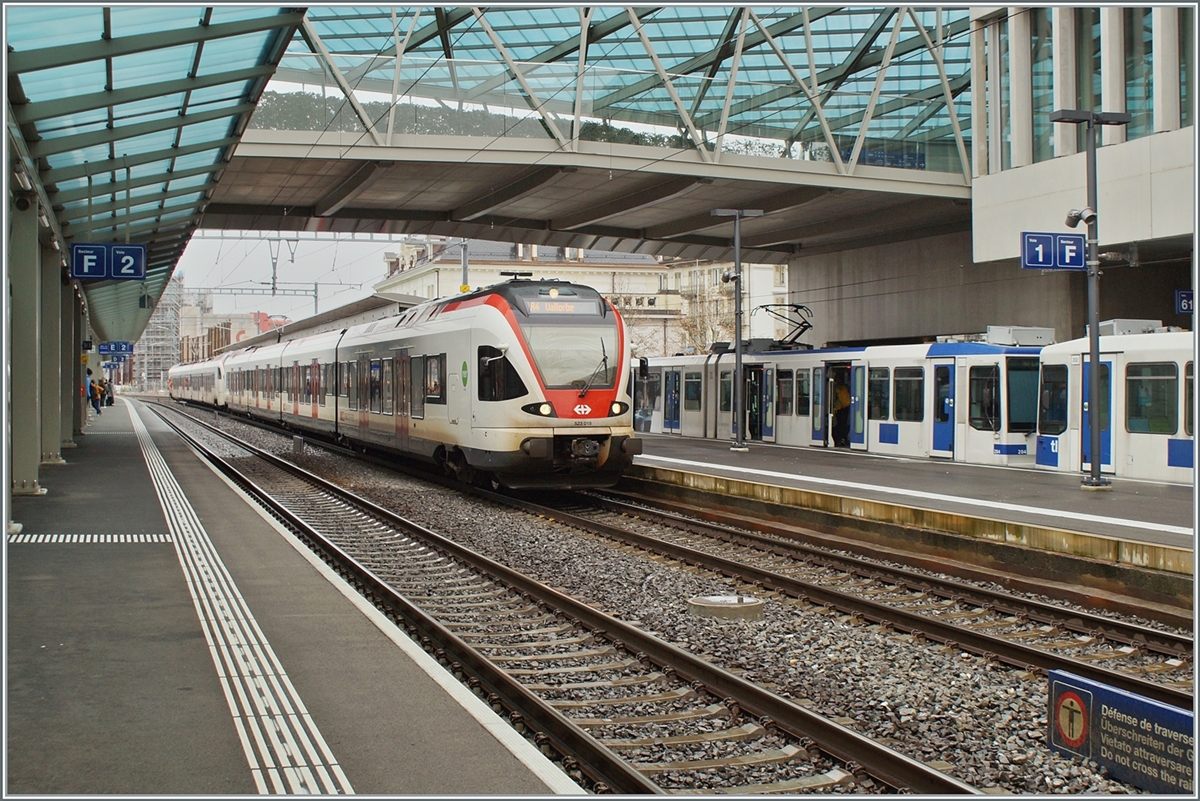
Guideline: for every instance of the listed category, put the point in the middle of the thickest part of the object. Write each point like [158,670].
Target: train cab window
[1152,398]
[498,378]
[350,383]
[909,390]
[878,402]
[985,398]
[803,379]
[417,387]
[387,386]
[691,392]
[1189,399]
[1022,394]
[1052,400]
[726,390]
[376,386]
[783,393]
[435,372]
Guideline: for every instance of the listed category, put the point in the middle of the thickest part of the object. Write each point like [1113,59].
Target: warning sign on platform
[1141,741]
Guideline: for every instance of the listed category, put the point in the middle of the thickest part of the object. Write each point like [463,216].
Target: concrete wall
[928,287]
[1145,191]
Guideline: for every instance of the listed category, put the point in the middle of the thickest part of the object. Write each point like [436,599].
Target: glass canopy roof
[774,81]
[121,119]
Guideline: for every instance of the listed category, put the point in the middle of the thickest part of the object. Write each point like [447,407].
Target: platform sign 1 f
[1053,251]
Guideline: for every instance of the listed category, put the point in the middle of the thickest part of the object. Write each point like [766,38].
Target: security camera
[1084,215]
[728,276]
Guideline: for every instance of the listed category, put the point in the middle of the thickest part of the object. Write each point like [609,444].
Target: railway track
[1015,630]
[619,709]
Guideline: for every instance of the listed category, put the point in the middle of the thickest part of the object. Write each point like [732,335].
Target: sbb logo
[583,408]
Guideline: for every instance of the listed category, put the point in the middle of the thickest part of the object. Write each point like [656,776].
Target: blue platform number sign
[1140,741]
[1047,251]
[120,347]
[108,261]
[89,261]
[1183,302]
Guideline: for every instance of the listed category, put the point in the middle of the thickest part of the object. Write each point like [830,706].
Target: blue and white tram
[967,401]
[1146,410]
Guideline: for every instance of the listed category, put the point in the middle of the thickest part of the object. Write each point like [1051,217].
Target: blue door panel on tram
[1106,462]
[858,405]
[943,409]
[671,402]
[819,412]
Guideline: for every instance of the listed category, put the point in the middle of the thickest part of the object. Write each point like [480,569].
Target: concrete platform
[201,650]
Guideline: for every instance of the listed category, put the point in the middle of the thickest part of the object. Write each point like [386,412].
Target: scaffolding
[158,349]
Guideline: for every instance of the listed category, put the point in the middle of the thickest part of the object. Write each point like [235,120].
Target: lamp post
[739,422]
[1093,481]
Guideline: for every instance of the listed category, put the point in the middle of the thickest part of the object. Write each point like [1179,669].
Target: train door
[1105,417]
[858,407]
[767,404]
[752,400]
[839,403]
[671,401]
[364,394]
[943,409]
[400,396]
[819,410]
[314,386]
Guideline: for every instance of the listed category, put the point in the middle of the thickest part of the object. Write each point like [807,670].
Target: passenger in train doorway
[841,414]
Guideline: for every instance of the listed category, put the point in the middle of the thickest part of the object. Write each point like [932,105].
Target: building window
[781,275]
[1087,66]
[1187,65]
[1042,65]
[1139,71]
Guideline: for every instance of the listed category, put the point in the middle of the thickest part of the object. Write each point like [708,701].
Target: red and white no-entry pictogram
[1071,719]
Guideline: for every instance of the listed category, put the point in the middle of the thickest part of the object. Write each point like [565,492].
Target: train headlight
[619,408]
[542,409]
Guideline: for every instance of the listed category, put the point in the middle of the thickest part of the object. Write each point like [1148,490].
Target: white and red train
[525,383]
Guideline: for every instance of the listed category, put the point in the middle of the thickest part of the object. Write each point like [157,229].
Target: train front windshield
[572,336]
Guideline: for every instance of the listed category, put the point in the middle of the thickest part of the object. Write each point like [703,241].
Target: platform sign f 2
[1053,251]
[98,261]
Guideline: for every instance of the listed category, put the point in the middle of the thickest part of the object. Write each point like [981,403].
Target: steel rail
[1011,653]
[885,764]
[1167,643]
[602,765]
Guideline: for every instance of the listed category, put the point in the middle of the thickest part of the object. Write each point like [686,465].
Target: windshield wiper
[602,365]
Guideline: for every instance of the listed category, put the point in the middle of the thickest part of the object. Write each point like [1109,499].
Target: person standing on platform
[841,414]
[93,393]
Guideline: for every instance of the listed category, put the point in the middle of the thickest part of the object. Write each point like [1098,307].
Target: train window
[417,387]
[726,390]
[387,386]
[324,368]
[985,398]
[691,392]
[1022,394]
[1189,399]
[1152,398]
[498,379]
[783,393]
[878,402]
[648,392]
[1052,400]
[435,370]
[802,392]
[350,382]
[909,390]
[857,392]
[376,386]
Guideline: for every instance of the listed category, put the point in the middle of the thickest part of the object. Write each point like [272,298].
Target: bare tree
[707,316]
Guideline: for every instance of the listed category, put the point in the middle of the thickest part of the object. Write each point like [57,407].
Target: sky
[345,269]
